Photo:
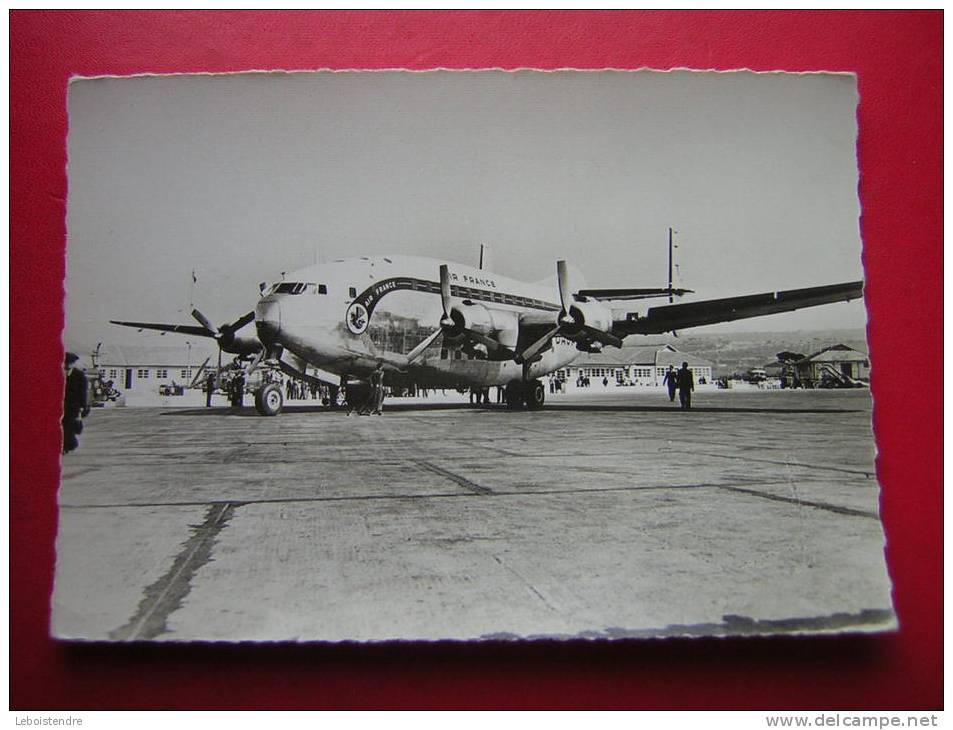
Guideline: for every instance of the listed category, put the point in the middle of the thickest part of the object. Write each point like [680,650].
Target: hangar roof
[147,356]
[644,355]
[837,353]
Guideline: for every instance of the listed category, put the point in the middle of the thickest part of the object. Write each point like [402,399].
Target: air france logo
[357,318]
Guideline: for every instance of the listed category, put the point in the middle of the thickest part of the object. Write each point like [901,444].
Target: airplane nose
[268,320]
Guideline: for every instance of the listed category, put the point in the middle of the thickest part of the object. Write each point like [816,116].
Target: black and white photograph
[466,355]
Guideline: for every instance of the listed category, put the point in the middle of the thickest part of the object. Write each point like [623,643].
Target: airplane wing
[184,329]
[628,294]
[670,317]
[225,335]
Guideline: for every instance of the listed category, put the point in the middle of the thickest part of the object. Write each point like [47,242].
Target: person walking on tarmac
[686,384]
[671,380]
[75,403]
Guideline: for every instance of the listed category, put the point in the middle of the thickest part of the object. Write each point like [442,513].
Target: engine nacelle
[474,317]
[594,315]
[496,324]
[240,345]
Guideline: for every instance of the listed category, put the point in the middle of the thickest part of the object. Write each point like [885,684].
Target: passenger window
[293,287]
[322,288]
[351,292]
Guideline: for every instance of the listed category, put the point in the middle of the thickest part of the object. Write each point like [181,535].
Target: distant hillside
[737,352]
[733,352]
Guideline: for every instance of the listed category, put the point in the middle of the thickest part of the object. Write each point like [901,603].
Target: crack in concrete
[456,478]
[804,502]
[467,495]
[165,595]
[821,467]
[525,582]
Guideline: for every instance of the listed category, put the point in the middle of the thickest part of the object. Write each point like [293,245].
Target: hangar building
[145,368]
[839,358]
[642,365]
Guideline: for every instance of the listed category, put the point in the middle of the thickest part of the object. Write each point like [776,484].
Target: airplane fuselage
[347,316]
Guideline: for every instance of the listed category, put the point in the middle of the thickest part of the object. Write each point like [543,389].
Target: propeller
[225,335]
[563,321]
[415,354]
[566,322]
[530,352]
[254,362]
[226,331]
[452,324]
[446,320]
[562,279]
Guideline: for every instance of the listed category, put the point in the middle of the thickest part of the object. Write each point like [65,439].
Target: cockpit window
[294,287]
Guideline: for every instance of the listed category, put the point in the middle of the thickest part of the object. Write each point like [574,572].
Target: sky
[241,177]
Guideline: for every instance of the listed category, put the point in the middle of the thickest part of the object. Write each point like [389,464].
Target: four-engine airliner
[439,325]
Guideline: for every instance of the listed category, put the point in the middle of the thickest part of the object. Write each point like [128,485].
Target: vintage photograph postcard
[371,356]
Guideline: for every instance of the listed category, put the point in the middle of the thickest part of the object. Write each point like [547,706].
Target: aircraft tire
[269,400]
[535,395]
[514,396]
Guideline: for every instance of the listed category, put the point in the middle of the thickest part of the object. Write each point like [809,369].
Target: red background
[898,59]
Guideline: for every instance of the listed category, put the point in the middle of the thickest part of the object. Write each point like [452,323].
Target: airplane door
[128,378]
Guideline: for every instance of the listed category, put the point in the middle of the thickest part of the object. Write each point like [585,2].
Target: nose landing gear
[269,400]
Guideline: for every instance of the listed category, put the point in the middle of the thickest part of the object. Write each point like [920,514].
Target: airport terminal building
[638,365]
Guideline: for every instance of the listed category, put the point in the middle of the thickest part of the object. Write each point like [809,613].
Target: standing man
[238,394]
[686,384]
[377,384]
[209,389]
[671,380]
[75,402]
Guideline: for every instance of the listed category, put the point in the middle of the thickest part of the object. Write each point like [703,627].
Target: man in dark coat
[377,389]
[686,384]
[75,403]
[238,394]
[209,390]
[671,380]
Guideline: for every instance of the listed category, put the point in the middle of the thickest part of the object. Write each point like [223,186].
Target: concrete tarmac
[602,516]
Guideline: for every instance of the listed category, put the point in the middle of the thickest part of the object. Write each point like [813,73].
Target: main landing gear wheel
[534,394]
[269,400]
